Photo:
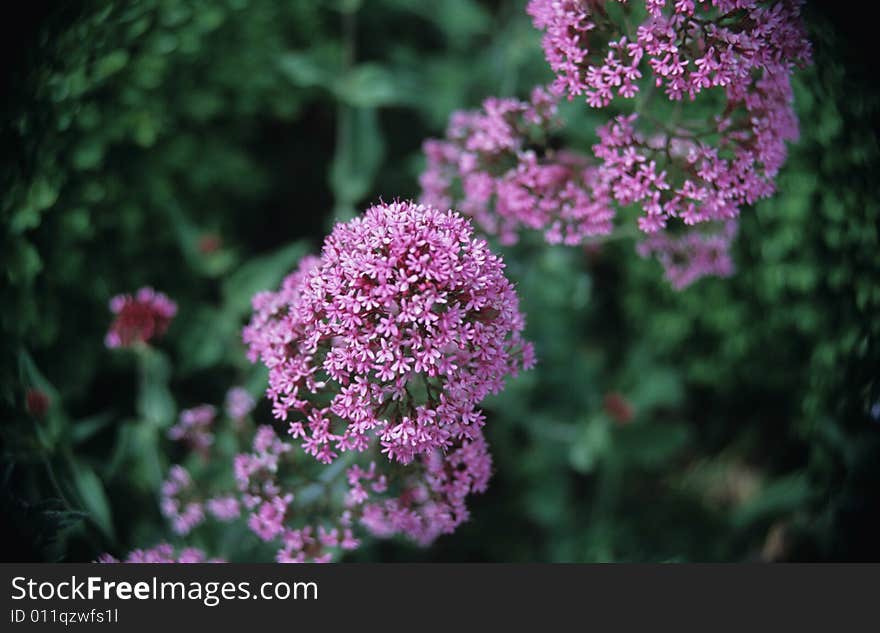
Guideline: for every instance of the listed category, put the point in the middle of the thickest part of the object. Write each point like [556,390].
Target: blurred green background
[202,146]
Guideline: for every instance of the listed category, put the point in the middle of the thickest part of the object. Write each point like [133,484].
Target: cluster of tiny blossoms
[139,318]
[183,501]
[262,497]
[268,501]
[394,335]
[496,164]
[179,503]
[688,45]
[432,498]
[239,403]
[256,477]
[421,500]
[690,256]
[384,346]
[162,553]
[194,427]
[488,168]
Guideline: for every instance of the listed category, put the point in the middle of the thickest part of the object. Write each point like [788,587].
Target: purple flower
[403,325]
[223,508]
[497,166]
[505,185]
[692,255]
[178,502]
[432,500]
[194,427]
[255,472]
[239,403]
[268,520]
[162,553]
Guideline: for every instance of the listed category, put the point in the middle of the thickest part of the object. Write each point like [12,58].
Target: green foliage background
[139,133]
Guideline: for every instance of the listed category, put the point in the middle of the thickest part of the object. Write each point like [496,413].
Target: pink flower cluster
[567,25]
[256,472]
[239,403]
[382,349]
[194,427]
[178,502]
[689,45]
[140,318]
[496,165]
[224,507]
[269,505]
[183,501]
[692,255]
[421,500]
[162,553]
[394,335]
[307,545]
[487,168]
[385,343]
[432,498]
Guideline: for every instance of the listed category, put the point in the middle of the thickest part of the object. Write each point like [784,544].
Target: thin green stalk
[53,479]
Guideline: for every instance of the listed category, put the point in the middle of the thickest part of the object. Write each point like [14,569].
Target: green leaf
[121,448]
[85,429]
[94,498]
[32,377]
[783,496]
[259,273]
[155,404]
[137,452]
[206,340]
[458,19]
[149,465]
[369,85]
[308,69]
[110,64]
[591,446]
[657,387]
[89,154]
[63,520]
[24,262]
[348,6]
[50,523]
[650,445]
[359,152]
[41,196]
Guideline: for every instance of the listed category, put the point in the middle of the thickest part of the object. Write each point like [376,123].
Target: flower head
[692,255]
[431,500]
[487,168]
[37,403]
[179,503]
[239,403]
[499,164]
[395,334]
[194,427]
[223,508]
[618,407]
[139,318]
